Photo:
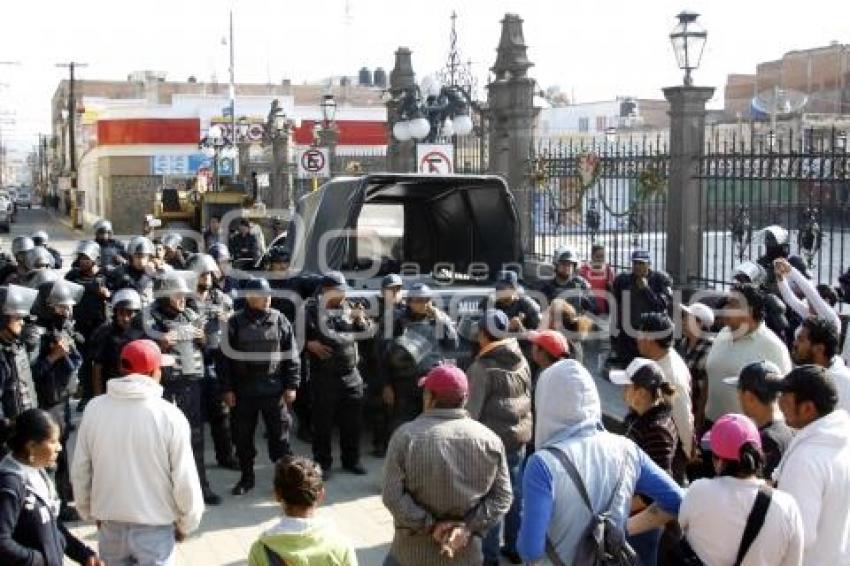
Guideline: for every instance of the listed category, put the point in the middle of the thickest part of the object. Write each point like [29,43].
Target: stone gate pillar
[687,140]
[401,156]
[511,113]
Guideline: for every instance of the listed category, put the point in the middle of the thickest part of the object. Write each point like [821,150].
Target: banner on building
[253,133]
[314,162]
[435,159]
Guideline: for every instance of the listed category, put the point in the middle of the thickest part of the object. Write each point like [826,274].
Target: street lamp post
[328,134]
[688,39]
[241,136]
[443,112]
[216,145]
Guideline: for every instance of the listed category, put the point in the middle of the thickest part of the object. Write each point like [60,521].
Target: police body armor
[188,358]
[344,356]
[211,310]
[19,391]
[263,338]
[55,387]
[415,352]
[124,277]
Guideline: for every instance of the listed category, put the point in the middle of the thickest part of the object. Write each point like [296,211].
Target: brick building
[822,73]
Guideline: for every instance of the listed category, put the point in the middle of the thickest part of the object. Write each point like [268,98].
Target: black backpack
[604,542]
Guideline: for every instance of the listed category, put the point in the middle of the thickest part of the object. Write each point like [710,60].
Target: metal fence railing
[799,181]
[609,192]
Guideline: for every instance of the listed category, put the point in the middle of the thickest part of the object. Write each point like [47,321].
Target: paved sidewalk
[227,531]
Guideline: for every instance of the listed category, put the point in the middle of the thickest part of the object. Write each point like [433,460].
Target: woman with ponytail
[649,423]
[299,537]
[30,532]
[717,511]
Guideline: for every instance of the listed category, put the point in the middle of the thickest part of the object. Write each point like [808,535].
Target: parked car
[9,204]
[6,213]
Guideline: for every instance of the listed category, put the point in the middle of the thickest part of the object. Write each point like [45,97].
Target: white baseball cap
[701,312]
[641,371]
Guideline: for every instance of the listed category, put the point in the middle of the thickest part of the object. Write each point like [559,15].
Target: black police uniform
[17,390]
[89,314]
[656,296]
[104,348]
[336,385]
[211,308]
[53,382]
[127,277]
[581,302]
[259,382]
[182,383]
[405,381]
[244,246]
[110,252]
[376,373]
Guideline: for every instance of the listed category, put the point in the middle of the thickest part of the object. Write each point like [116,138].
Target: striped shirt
[443,466]
[655,433]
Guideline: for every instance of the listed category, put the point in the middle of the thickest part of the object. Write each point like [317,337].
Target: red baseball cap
[143,356]
[550,340]
[445,378]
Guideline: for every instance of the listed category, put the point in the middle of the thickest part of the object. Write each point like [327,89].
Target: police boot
[210,497]
[229,463]
[244,485]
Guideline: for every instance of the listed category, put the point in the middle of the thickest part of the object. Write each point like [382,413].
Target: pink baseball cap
[729,434]
[445,378]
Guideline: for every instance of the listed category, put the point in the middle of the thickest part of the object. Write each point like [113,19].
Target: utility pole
[233,132]
[72,142]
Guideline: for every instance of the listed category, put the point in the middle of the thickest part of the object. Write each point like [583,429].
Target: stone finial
[511,59]
[402,75]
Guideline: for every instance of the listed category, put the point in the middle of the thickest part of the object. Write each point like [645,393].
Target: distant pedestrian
[715,514]
[145,494]
[446,480]
[300,537]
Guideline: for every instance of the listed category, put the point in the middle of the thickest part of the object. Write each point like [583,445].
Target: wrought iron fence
[799,181]
[472,151]
[607,192]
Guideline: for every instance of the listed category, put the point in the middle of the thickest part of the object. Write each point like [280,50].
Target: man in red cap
[445,478]
[550,346]
[147,494]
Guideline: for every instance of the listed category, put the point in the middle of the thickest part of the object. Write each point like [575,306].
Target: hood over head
[133,386]
[566,398]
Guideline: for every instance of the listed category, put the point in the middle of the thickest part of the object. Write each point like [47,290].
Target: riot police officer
[37,259]
[40,239]
[179,331]
[278,265]
[172,244]
[138,273]
[226,282]
[244,244]
[567,282]
[331,328]
[90,312]
[378,411]
[16,272]
[215,307]
[107,340]
[259,376]
[17,390]
[424,334]
[112,251]
[522,311]
[56,368]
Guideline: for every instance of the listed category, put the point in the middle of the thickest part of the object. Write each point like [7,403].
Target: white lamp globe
[401,130]
[448,129]
[463,125]
[214,131]
[419,128]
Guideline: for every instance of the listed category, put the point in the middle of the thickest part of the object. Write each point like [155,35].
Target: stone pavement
[228,530]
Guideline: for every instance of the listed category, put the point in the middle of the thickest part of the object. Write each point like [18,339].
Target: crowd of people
[734,448]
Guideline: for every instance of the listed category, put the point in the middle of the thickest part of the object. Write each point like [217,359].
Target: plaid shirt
[443,465]
[695,358]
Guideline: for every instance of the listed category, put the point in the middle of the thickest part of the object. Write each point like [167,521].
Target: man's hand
[229,398]
[58,350]
[170,338]
[781,267]
[452,536]
[388,395]
[288,397]
[319,350]
[94,561]
[179,534]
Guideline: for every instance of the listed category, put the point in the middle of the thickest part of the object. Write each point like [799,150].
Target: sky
[592,49]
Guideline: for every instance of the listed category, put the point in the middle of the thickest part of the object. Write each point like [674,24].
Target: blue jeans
[125,544]
[646,546]
[510,524]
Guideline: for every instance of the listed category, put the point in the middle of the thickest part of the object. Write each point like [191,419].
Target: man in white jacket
[815,469]
[147,494]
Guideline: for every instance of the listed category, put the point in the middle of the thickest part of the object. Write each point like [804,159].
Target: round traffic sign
[313,160]
[435,162]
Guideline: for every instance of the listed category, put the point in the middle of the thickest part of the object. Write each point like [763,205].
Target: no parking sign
[314,162]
